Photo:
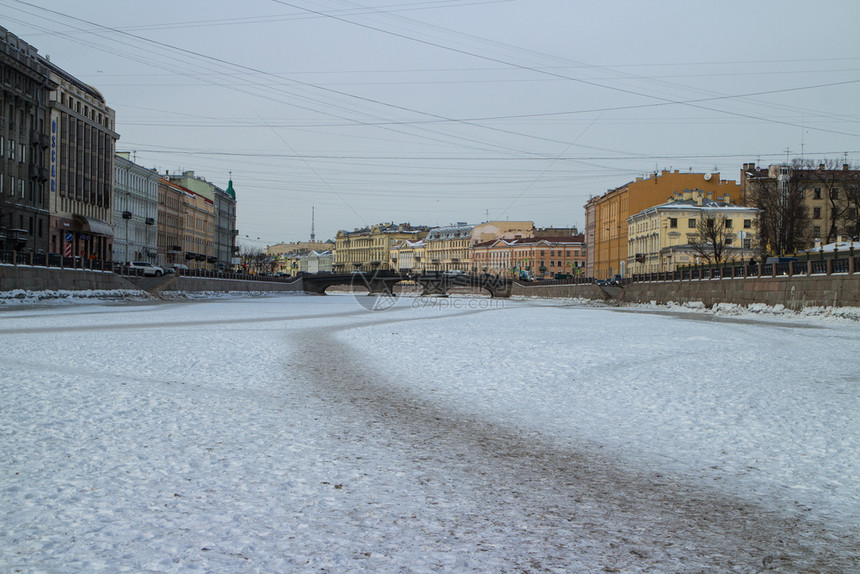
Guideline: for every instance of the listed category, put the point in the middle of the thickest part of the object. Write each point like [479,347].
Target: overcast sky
[438,111]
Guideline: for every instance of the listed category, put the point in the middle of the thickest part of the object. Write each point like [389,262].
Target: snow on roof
[844,246]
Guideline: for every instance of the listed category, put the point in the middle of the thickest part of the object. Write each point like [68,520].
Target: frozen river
[308,434]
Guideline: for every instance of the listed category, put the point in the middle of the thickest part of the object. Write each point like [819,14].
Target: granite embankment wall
[35,278]
[198,284]
[795,293]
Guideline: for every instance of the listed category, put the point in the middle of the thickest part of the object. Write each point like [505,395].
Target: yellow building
[660,238]
[369,248]
[606,215]
[448,247]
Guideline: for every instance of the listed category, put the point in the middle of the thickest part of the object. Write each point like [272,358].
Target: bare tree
[710,240]
[784,223]
[828,180]
[852,213]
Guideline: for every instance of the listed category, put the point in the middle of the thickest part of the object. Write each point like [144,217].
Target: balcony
[150,221]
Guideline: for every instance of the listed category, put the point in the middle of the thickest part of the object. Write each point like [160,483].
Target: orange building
[606,215]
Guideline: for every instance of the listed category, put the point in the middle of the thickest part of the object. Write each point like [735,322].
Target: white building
[320,262]
[135,211]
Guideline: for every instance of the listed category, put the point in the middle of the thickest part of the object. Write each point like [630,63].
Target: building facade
[490,230]
[830,195]
[607,215]
[25,120]
[299,247]
[408,257]
[135,212]
[83,141]
[531,257]
[170,224]
[492,257]
[199,231]
[548,257]
[224,230]
[662,238]
[447,248]
[320,262]
[369,249]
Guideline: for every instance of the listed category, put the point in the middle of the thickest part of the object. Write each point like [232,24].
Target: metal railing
[845,265]
[38,259]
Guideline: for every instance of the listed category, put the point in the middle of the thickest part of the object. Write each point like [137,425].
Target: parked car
[615,280]
[148,268]
[772,260]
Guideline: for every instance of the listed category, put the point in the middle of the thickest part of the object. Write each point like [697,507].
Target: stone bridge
[432,284]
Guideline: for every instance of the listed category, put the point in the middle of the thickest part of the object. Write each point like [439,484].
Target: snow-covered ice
[307,434]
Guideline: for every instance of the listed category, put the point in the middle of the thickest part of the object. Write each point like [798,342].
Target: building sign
[54,154]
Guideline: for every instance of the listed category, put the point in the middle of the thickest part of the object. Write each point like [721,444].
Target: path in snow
[515,499]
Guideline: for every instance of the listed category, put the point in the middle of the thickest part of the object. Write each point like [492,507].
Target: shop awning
[93,225]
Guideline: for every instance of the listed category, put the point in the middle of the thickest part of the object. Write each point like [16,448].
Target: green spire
[230,189]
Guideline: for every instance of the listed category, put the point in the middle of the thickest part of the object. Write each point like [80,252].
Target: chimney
[821,166]
[844,167]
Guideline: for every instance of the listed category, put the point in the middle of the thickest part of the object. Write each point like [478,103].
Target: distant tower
[313,236]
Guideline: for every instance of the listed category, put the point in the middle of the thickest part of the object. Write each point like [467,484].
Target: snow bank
[68,297]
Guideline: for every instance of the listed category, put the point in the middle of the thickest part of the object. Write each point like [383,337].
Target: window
[816,231]
[816,193]
[673,222]
[691,223]
[816,213]
[747,223]
[834,193]
[729,241]
[728,223]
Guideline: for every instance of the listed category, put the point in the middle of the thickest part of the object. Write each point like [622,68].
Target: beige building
[830,193]
[299,247]
[447,247]
[661,238]
[369,248]
[491,230]
[199,237]
[409,257]
[186,227]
